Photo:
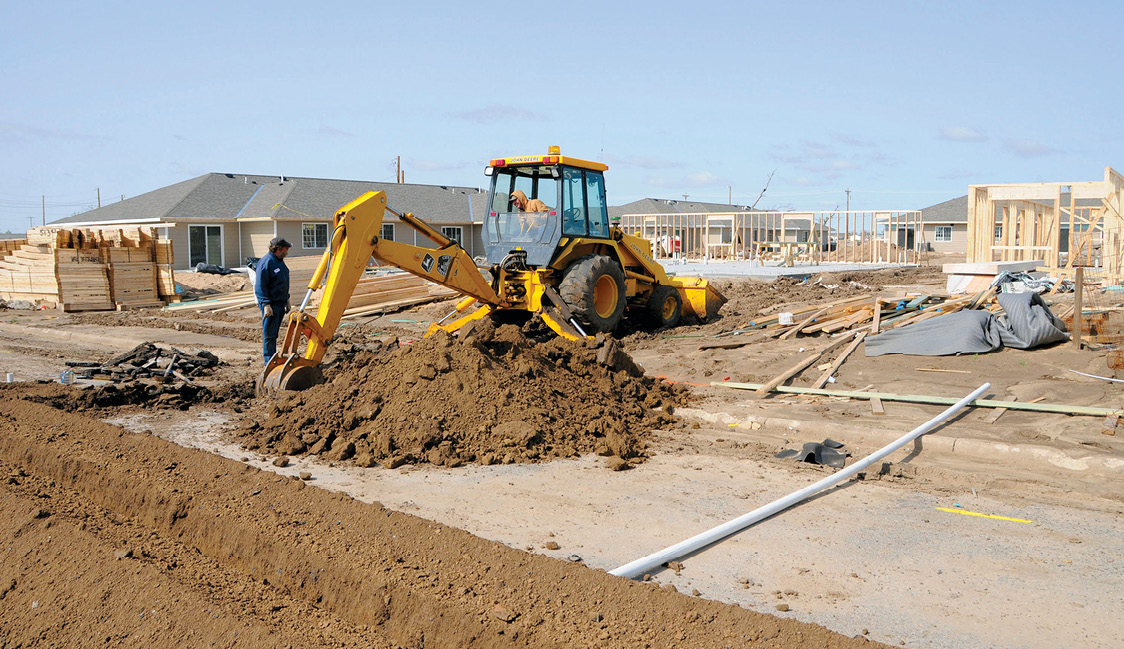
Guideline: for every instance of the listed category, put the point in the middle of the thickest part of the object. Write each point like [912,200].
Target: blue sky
[906,104]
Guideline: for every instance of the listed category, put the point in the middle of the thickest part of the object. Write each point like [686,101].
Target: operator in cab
[271,289]
[520,203]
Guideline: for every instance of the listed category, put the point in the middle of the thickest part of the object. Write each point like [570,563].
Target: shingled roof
[222,197]
[950,211]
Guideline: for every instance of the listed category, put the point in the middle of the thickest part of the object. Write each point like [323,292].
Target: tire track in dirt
[278,562]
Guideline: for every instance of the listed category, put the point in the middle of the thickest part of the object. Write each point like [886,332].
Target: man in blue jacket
[271,289]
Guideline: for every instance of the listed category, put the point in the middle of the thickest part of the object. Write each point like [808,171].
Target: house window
[387,232]
[314,235]
[454,232]
[204,244]
[998,233]
[943,233]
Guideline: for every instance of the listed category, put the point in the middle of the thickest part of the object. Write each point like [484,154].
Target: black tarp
[1026,323]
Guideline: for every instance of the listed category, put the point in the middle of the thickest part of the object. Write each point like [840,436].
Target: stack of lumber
[373,294]
[82,280]
[132,277]
[7,246]
[84,270]
[165,277]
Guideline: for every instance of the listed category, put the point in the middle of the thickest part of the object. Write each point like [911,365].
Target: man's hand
[267,312]
[288,307]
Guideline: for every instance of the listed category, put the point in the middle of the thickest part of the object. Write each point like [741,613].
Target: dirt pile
[492,396]
[123,540]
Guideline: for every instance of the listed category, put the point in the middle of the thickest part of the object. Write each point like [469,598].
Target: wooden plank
[803,323]
[1034,406]
[876,325]
[876,406]
[997,413]
[834,367]
[799,367]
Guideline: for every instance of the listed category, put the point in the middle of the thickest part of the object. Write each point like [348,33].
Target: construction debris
[149,361]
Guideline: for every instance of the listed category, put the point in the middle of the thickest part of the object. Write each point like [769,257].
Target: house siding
[959,241]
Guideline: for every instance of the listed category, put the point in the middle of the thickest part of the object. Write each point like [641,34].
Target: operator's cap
[279,242]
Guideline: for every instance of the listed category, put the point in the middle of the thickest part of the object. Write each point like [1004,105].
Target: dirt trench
[128,540]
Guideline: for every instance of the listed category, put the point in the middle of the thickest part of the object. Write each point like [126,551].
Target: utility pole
[731,188]
[848,199]
[847,226]
[399,176]
[99,196]
[44,209]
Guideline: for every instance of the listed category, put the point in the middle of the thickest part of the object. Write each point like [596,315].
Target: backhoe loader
[566,264]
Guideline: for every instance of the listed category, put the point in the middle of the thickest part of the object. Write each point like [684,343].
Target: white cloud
[961,134]
[1027,149]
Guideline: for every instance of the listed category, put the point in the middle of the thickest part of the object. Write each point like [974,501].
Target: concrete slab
[756,270]
[991,267]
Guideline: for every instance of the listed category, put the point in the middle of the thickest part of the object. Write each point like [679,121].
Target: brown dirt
[119,539]
[492,396]
[221,324]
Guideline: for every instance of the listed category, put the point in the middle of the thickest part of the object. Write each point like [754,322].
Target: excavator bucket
[289,372]
[700,298]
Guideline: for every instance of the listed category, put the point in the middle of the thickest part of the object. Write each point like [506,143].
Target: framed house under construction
[1065,225]
[787,238]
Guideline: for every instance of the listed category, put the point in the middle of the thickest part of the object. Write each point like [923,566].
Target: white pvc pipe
[640,566]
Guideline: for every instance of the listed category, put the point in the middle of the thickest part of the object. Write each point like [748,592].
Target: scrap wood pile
[146,360]
[848,322]
[373,294]
[862,312]
[88,270]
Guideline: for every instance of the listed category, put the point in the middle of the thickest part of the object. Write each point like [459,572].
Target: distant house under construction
[726,232]
[1065,225]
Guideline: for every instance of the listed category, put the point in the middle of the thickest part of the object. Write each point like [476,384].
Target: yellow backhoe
[565,263]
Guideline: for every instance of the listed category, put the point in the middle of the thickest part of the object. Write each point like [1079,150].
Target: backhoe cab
[562,261]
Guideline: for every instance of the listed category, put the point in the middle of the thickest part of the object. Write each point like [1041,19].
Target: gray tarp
[1026,323]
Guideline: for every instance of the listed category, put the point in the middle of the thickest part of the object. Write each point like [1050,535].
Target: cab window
[573,203]
[535,182]
[595,199]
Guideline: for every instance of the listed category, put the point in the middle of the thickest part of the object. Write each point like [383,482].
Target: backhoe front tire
[664,306]
[594,288]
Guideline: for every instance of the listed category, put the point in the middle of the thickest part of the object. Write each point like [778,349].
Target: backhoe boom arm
[355,239]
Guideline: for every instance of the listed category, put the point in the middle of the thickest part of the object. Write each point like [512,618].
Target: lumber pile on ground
[849,321]
[87,270]
[373,294]
[863,312]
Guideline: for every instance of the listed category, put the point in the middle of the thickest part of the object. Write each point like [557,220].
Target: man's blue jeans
[269,328]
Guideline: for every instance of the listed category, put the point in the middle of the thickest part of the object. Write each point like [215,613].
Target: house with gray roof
[944,226]
[221,218]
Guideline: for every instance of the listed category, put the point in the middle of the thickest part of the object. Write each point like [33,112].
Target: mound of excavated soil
[119,540]
[491,396]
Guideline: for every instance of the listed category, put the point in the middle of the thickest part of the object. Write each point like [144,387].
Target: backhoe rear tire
[664,306]
[594,288]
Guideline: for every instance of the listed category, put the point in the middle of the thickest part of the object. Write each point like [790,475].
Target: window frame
[459,238]
[315,227]
[384,231]
[937,230]
[206,248]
